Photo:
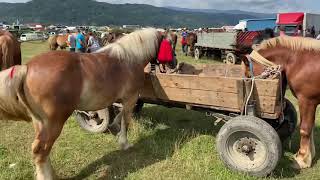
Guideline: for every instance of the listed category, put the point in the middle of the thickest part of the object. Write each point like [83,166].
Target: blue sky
[266,6]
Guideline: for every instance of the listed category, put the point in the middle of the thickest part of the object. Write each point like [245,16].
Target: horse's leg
[46,134]
[125,121]
[115,126]
[303,158]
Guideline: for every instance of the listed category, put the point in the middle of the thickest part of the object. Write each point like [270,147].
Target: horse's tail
[7,54]
[53,45]
[13,101]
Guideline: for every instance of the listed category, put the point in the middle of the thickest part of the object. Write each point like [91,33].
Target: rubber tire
[101,128]
[197,54]
[265,132]
[231,58]
[290,115]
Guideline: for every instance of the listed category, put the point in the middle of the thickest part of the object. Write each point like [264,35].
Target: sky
[265,6]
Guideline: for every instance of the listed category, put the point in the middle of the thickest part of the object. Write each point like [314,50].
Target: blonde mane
[138,46]
[293,43]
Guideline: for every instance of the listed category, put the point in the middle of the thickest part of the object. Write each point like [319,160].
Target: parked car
[32,37]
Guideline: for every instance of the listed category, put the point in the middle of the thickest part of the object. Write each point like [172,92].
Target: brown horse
[191,40]
[10,52]
[299,62]
[52,85]
[56,41]
[111,38]
[174,40]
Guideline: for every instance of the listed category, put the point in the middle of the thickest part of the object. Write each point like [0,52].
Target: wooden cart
[250,141]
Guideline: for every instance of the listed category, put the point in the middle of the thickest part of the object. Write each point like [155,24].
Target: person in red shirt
[184,35]
[166,55]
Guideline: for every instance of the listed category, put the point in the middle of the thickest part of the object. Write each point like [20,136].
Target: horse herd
[47,89]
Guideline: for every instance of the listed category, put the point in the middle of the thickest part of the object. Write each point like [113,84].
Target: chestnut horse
[174,40]
[299,62]
[56,41]
[52,85]
[10,52]
[191,41]
[111,38]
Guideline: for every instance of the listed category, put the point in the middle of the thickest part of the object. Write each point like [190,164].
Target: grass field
[168,144]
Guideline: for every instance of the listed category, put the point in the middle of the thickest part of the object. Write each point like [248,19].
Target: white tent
[241,26]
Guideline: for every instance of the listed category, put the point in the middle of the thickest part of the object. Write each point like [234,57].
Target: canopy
[290,18]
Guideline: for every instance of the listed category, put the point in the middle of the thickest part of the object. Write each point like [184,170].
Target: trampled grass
[169,143]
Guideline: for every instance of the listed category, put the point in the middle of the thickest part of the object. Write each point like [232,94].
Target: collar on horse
[261,60]
[271,69]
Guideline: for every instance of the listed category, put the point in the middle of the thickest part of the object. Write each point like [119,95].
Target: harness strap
[250,65]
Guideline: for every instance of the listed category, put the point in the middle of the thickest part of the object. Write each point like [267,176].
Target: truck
[293,20]
[256,24]
[224,44]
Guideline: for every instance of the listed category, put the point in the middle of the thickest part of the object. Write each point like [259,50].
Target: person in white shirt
[71,41]
[93,43]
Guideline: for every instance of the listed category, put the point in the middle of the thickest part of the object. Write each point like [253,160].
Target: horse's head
[277,51]
[191,39]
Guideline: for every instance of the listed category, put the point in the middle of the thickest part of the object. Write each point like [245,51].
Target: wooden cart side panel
[219,84]
[221,92]
[216,84]
[194,96]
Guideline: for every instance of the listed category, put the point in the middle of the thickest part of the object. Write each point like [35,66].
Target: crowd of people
[79,43]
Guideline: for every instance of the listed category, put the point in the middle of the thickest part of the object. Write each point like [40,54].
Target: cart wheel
[250,145]
[197,54]
[289,125]
[231,58]
[94,121]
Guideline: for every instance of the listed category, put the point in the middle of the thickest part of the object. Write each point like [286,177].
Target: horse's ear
[244,59]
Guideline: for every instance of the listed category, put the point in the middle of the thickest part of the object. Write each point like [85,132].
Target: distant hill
[215,11]
[90,12]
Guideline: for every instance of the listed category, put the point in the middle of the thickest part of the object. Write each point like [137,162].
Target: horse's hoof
[126,146]
[114,129]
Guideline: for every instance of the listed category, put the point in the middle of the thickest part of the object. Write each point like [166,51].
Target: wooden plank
[241,95]
[222,70]
[266,104]
[221,99]
[267,87]
[217,84]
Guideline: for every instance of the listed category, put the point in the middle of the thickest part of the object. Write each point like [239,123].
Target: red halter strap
[12,72]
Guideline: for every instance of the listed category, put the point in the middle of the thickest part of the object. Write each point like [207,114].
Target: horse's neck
[279,56]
